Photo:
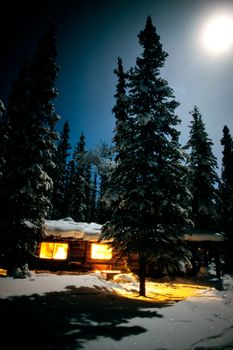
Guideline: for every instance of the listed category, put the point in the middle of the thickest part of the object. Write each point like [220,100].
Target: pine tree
[60,174]
[202,179]
[120,110]
[227,159]
[226,192]
[87,189]
[93,199]
[44,91]
[70,188]
[146,193]
[77,187]
[30,150]
[103,160]
[103,210]
[123,136]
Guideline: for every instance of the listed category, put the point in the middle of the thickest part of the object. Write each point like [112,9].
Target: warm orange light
[60,251]
[50,250]
[162,291]
[3,272]
[101,251]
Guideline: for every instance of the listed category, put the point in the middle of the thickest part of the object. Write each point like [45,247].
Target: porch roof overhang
[204,236]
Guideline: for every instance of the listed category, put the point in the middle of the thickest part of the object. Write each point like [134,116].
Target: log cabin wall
[79,256]
[85,251]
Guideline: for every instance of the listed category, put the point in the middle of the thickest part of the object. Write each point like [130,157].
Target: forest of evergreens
[147,189]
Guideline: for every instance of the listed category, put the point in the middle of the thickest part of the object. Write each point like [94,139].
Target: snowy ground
[74,311]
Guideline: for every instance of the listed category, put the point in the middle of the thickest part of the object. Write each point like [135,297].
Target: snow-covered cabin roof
[68,228]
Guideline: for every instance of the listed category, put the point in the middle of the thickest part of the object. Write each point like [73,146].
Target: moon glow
[217,36]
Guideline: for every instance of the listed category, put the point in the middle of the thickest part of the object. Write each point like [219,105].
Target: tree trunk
[142,276]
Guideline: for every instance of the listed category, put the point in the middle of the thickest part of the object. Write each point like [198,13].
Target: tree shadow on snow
[68,319]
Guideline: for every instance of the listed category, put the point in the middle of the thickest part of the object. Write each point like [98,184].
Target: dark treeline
[78,180]
[147,190]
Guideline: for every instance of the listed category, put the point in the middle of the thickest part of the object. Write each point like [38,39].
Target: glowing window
[50,250]
[101,251]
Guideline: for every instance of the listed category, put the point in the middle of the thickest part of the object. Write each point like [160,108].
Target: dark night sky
[93,33]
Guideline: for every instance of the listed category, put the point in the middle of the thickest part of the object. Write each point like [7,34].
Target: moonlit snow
[201,322]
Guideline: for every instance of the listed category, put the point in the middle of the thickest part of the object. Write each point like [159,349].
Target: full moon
[217,35]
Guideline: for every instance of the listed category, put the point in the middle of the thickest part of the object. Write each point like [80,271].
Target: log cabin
[75,245]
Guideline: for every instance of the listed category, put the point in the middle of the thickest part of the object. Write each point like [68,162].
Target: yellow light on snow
[3,272]
[101,251]
[50,250]
[161,291]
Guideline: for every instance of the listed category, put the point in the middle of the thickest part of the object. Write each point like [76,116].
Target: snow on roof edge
[204,237]
[68,228]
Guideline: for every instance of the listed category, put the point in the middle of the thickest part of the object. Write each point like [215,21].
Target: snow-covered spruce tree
[60,174]
[146,192]
[105,153]
[202,178]
[44,92]
[120,110]
[70,187]
[88,189]
[76,195]
[227,159]
[30,151]
[93,198]
[226,192]
[103,212]
[103,161]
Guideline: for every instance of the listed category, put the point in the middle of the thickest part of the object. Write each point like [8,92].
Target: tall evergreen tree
[70,188]
[226,192]
[102,209]
[103,160]
[30,149]
[60,174]
[93,199]
[120,110]
[87,189]
[227,159]
[202,179]
[146,193]
[77,195]
[44,91]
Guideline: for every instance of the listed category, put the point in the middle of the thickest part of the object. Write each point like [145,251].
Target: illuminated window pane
[101,251]
[46,250]
[60,251]
[49,250]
